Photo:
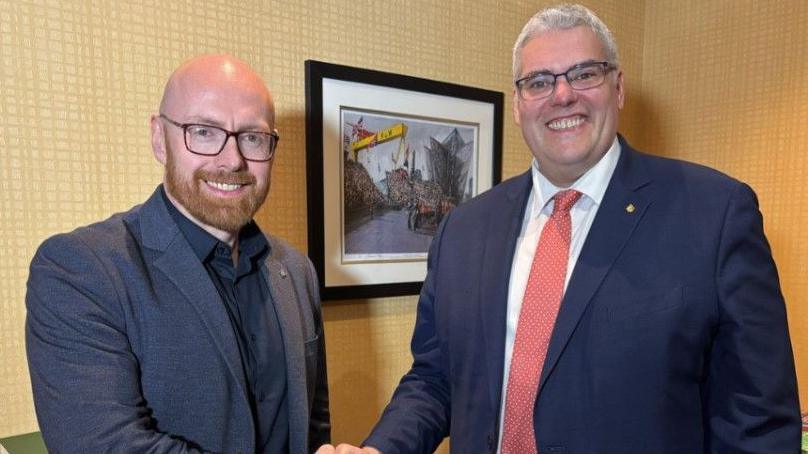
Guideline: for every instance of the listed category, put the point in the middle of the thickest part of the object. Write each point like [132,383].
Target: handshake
[346,449]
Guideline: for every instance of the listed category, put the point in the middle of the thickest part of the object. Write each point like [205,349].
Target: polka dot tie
[545,287]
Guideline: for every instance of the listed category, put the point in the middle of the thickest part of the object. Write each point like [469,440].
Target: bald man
[179,326]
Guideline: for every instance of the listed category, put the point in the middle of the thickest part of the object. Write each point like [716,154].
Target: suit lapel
[289,319]
[178,263]
[504,225]
[621,210]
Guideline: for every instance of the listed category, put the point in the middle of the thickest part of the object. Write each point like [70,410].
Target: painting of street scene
[401,176]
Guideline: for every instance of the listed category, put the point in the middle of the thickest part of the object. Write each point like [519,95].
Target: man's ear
[158,139]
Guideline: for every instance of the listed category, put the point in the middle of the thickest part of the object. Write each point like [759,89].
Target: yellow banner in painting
[397,130]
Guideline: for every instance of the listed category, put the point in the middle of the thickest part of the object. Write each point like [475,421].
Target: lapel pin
[630,208]
[282,273]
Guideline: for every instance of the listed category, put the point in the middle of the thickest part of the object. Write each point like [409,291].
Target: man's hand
[346,449]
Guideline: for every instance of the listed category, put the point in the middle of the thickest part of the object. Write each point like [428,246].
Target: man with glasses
[606,301]
[179,326]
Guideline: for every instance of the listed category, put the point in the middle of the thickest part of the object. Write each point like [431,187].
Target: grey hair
[564,17]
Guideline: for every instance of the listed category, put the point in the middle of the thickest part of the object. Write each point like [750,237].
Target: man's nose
[563,93]
[230,156]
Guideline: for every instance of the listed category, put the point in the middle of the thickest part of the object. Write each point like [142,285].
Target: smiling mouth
[565,123]
[226,187]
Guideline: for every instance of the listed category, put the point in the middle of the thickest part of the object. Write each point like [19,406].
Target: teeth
[223,186]
[565,123]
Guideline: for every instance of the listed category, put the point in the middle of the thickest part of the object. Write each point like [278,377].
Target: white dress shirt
[592,185]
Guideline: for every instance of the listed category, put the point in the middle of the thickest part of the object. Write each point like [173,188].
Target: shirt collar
[592,184]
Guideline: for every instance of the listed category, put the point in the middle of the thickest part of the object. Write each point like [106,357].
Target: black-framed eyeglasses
[210,140]
[582,76]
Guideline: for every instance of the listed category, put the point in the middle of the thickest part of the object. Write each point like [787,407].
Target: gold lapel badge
[630,208]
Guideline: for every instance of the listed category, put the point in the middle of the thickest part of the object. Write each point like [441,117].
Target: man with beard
[179,326]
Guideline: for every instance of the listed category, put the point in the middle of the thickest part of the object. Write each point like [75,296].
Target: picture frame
[387,157]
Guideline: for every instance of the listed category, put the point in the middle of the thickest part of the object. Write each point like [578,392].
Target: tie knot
[564,200]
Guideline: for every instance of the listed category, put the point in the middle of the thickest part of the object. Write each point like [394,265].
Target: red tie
[545,287]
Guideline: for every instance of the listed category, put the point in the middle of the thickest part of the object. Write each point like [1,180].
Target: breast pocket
[669,319]
[618,310]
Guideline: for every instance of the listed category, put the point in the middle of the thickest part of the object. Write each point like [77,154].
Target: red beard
[229,215]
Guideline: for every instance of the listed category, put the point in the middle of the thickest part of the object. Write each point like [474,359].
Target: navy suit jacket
[671,337]
[130,347]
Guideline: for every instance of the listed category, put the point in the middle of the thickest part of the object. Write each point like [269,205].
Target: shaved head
[213,72]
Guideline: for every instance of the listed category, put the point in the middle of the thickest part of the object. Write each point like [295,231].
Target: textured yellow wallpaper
[80,78]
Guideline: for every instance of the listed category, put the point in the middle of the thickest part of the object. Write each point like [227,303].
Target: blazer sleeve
[417,418]
[752,391]
[83,373]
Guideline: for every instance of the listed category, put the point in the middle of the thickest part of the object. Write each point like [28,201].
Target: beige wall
[79,80]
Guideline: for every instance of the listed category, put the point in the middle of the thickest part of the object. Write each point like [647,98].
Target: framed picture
[387,157]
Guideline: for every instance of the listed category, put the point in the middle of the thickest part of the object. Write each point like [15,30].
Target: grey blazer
[130,348]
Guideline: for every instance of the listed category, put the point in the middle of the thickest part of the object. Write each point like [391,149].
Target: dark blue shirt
[245,294]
